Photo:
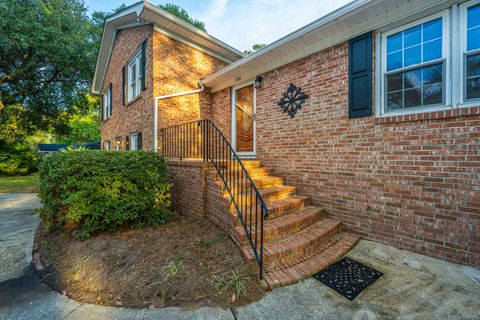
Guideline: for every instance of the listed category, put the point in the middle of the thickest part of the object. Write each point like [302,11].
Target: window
[134,76]
[134,141]
[471,51]
[107,103]
[107,145]
[414,65]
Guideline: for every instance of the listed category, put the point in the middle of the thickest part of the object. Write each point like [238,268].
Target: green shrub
[103,191]
[18,160]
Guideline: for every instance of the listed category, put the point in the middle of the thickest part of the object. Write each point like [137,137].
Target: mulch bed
[187,262]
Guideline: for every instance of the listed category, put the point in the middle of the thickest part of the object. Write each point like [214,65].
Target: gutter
[155,109]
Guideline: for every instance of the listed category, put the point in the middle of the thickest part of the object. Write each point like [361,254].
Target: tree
[255,48]
[182,14]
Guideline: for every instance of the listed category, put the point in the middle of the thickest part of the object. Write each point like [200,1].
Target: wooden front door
[244,120]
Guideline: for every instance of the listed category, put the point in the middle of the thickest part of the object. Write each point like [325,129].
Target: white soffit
[144,12]
[354,19]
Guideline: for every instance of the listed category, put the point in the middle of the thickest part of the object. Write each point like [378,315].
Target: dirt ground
[187,262]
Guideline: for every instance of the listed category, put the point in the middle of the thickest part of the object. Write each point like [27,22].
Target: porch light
[258,82]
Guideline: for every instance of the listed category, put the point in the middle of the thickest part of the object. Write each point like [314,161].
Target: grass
[19,184]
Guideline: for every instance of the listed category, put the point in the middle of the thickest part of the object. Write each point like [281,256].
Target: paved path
[412,287]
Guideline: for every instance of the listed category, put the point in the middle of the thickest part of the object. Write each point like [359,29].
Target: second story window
[134,76]
[107,103]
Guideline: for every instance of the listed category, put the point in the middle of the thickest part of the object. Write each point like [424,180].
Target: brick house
[365,122]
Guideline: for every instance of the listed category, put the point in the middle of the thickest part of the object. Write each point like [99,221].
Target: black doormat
[348,277]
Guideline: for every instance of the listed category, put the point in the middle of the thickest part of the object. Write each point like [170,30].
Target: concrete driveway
[412,287]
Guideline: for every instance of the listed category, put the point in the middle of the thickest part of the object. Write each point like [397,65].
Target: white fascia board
[192,44]
[348,9]
[221,79]
[190,28]
[108,38]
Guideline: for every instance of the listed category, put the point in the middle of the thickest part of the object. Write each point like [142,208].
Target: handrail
[202,139]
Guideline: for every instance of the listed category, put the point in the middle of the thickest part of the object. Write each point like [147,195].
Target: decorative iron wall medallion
[292,100]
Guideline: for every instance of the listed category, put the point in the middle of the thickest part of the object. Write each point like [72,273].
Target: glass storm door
[244,120]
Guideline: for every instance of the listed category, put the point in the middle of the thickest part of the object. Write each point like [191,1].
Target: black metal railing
[203,140]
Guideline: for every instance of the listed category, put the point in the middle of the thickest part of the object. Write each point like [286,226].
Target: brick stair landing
[299,239]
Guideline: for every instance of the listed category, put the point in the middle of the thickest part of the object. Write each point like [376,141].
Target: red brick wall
[222,111]
[177,68]
[171,67]
[189,191]
[138,114]
[412,182]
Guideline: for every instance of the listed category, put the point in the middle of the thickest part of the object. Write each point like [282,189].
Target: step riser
[259,184]
[276,261]
[253,172]
[272,234]
[298,205]
[288,209]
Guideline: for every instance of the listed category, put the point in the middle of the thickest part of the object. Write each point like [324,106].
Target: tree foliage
[183,14]
[46,57]
[255,48]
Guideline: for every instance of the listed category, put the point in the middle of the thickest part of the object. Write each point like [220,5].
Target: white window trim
[107,145]
[462,12]
[134,141]
[381,65]
[134,62]
[107,108]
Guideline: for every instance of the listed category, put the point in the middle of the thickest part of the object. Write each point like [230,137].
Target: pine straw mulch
[187,262]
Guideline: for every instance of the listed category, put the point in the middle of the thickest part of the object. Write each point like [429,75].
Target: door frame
[252,154]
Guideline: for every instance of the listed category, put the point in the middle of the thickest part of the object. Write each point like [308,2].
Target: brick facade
[189,187]
[408,181]
[171,67]
[136,116]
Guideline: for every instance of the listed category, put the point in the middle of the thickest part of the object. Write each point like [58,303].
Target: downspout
[155,110]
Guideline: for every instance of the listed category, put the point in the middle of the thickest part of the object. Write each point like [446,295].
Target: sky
[243,23]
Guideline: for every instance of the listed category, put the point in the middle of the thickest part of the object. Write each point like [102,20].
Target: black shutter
[123,85]
[111,99]
[143,62]
[127,142]
[139,141]
[360,76]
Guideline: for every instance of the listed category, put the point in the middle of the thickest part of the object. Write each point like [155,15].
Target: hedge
[103,190]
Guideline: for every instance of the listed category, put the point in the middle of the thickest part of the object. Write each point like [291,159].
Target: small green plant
[222,283]
[238,284]
[173,268]
[234,281]
[206,243]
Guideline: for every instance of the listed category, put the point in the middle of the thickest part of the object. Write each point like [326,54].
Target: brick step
[248,164]
[287,250]
[280,207]
[260,183]
[253,172]
[308,265]
[268,194]
[281,227]
[276,208]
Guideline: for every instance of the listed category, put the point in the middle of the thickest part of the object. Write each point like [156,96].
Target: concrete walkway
[412,287]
